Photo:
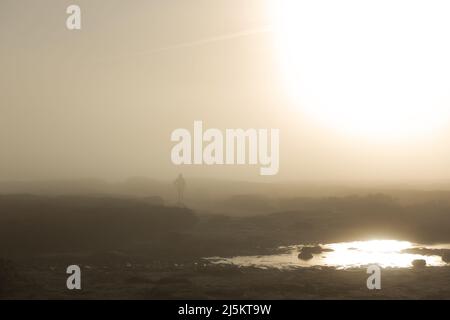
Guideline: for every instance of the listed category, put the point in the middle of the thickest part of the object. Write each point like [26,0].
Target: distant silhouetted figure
[180,185]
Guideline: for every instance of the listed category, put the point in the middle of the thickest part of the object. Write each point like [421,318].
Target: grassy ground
[199,281]
[131,249]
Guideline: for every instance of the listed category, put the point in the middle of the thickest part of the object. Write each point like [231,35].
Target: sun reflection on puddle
[343,255]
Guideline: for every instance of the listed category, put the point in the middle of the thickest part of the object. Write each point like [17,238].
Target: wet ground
[198,280]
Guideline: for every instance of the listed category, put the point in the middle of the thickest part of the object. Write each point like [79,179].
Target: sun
[375,68]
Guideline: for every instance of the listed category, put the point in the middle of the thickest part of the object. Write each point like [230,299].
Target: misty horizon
[69,111]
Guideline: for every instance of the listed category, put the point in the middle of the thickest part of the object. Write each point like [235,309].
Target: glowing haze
[374,68]
[358,89]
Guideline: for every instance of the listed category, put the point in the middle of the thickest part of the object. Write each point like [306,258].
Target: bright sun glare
[380,245]
[374,68]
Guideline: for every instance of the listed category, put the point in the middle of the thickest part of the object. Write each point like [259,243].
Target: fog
[102,102]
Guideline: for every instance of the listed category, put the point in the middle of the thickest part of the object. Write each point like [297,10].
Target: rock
[305,255]
[446,257]
[419,263]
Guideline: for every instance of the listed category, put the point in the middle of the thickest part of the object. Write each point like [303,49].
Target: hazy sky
[103,101]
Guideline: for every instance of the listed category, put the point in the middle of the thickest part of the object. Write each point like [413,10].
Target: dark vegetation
[43,224]
[7,277]
[36,224]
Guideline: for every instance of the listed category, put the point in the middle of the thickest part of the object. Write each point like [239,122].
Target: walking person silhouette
[180,185]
